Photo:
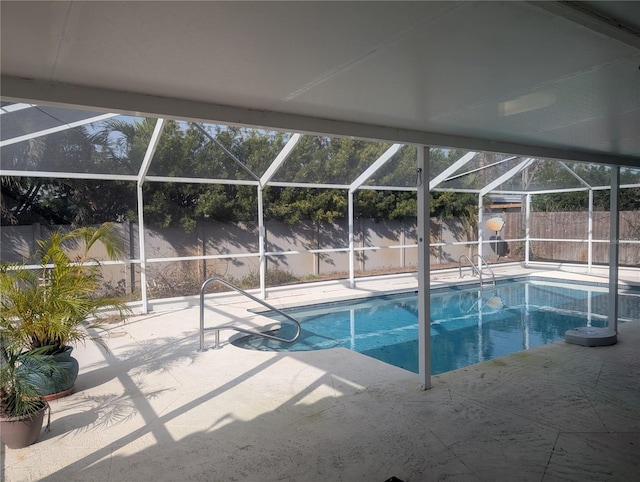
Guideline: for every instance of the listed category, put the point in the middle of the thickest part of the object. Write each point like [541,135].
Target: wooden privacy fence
[307,250]
[564,236]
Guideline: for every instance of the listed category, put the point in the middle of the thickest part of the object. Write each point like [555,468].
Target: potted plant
[22,407]
[49,308]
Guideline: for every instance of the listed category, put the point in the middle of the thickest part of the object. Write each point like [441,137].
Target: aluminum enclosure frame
[422,188]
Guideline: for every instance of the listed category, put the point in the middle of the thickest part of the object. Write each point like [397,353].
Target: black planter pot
[20,432]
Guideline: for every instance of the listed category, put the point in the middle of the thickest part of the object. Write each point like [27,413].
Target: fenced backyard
[177,262]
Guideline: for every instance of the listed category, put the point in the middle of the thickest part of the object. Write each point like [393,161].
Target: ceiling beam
[371,170]
[92,98]
[585,16]
[505,177]
[451,169]
[151,150]
[53,130]
[282,156]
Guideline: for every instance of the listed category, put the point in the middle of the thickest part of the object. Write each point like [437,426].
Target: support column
[424,284]
[403,250]
[590,232]
[143,255]
[352,253]
[261,246]
[593,336]
[527,235]
[614,245]
[131,267]
[480,233]
[142,173]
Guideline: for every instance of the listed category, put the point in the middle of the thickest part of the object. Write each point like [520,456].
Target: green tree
[594,175]
[60,200]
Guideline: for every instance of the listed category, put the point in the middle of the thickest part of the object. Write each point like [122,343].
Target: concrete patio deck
[154,409]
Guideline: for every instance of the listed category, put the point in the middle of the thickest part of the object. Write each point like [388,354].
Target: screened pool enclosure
[264,208]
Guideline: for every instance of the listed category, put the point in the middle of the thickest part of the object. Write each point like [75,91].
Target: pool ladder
[477,271]
[237,328]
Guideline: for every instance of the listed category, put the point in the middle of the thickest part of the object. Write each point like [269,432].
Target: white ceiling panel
[547,76]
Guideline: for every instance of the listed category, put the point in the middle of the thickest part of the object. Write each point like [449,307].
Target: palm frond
[49,307]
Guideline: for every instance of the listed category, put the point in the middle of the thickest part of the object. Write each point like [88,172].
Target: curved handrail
[242,330]
[481,259]
[476,270]
[473,266]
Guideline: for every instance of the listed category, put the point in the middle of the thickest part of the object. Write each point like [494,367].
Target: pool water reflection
[467,325]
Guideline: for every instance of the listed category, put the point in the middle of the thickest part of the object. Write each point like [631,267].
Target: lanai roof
[545,79]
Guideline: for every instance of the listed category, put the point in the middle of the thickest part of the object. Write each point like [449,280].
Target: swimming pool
[468,325]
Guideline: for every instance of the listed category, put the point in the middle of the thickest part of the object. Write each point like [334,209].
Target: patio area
[269,143]
[156,409]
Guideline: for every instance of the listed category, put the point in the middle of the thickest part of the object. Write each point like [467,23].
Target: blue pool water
[467,325]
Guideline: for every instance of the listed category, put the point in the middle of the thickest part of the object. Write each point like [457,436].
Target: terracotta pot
[20,432]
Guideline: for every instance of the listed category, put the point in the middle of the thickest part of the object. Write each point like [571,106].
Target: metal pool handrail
[473,267]
[481,259]
[477,271]
[236,328]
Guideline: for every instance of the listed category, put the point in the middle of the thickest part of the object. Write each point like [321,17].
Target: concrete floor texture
[155,409]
